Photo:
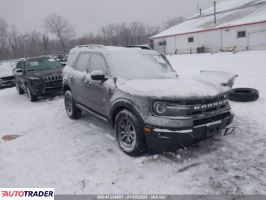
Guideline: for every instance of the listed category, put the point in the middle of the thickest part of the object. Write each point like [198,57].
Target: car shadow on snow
[50,97]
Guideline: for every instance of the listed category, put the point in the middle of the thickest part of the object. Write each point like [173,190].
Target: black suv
[38,76]
[140,94]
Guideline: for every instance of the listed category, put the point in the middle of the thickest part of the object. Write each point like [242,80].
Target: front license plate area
[213,129]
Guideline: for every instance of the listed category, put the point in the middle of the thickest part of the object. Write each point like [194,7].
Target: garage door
[257,40]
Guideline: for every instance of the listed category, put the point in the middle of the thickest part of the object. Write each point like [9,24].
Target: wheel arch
[65,88]
[121,105]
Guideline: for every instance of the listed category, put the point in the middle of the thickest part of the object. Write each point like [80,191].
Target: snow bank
[6,69]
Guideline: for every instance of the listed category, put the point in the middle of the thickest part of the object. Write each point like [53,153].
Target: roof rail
[91,46]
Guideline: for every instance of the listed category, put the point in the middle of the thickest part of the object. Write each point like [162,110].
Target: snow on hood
[203,85]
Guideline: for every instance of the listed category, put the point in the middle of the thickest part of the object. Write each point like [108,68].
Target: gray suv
[143,98]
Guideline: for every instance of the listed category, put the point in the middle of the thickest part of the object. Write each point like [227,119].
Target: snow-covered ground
[78,157]
[6,68]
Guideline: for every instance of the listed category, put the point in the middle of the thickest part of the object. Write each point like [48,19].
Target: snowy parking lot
[82,157]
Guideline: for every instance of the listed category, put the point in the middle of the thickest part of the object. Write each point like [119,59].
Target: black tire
[31,96]
[244,94]
[72,111]
[138,141]
[19,90]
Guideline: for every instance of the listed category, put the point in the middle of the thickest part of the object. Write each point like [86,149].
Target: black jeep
[38,76]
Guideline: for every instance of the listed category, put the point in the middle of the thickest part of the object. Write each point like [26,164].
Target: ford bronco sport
[140,94]
[38,76]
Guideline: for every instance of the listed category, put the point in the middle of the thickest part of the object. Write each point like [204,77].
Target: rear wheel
[19,90]
[129,133]
[72,111]
[30,95]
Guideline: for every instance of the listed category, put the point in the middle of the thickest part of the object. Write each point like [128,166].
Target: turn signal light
[148,130]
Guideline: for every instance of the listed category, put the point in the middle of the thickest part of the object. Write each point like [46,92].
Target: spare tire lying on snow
[244,94]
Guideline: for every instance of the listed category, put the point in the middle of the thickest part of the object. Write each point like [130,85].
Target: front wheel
[129,133]
[19,90]
[30,95]
[72,111]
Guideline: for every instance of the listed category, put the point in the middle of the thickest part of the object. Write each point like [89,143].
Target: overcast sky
[88,15]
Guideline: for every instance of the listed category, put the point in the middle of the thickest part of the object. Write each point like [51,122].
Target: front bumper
[41,89]
[171,139]
[6,82]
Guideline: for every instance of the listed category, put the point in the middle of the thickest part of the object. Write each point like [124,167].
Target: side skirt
[92,112]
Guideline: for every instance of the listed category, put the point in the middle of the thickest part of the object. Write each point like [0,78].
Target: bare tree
[91,39]
[59,26]
[15,45]
[45,41]
[172,22]
[13,42]
[124,34]
[138,33]
[4,49]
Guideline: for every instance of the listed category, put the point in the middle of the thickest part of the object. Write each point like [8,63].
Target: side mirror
[98,76]
[19,70]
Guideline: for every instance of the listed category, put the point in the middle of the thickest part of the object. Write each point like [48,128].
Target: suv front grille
[52,78]
[204,101]
[211,119]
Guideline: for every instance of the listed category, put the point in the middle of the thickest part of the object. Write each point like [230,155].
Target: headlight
[164,108]
[33,78]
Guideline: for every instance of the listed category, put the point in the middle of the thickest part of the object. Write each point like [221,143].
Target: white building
[239,25]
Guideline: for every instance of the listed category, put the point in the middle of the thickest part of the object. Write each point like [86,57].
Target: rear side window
[83,62]
[98,63]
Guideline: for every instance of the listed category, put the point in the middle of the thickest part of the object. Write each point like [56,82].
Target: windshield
[42,63]
[139,66]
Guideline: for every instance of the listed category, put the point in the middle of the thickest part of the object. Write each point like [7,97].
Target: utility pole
[214,14]
[198,7]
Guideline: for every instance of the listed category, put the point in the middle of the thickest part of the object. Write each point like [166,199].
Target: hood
[45,72]
[204,85]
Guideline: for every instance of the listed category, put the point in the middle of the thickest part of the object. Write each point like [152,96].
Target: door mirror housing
[19,70]
[98,76]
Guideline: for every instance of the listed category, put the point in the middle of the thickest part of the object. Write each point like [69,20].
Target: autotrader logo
[27,193]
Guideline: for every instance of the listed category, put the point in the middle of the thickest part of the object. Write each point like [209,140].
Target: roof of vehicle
[112,50]
[139,46]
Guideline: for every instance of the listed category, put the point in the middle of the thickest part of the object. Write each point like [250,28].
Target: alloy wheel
[127,136]
[68,104]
